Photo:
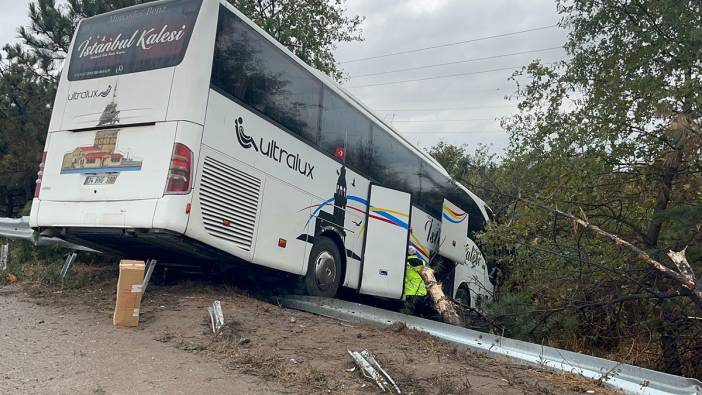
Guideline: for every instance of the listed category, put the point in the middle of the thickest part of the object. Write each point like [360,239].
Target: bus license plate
[101,179]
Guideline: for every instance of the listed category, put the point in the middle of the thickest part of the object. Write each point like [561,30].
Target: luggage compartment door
[385,245]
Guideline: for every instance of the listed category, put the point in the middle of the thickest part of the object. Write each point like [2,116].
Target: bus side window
[434,186]
[394,165]
[343,126]
[248,67]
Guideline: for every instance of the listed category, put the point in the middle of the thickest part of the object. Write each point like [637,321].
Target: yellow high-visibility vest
[414,285]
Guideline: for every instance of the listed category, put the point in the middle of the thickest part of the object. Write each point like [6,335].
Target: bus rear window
[147,37]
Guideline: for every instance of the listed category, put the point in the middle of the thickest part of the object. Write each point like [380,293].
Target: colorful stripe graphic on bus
[422,251]
[378,213]
[100,157]
[453,216]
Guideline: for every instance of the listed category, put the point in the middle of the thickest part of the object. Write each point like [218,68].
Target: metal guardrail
[18,229]
[628,378]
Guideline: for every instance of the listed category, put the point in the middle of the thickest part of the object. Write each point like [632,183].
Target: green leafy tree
[25,106]
[479,171]
[612,134]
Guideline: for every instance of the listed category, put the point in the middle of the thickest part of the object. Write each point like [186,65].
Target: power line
[500,90]
[456,133]
[442,120]
[449,44]
[441,108]
[435,77]
[456,62]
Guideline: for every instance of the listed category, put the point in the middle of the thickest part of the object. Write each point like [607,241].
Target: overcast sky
[468,105]
[13,14]
[399,25]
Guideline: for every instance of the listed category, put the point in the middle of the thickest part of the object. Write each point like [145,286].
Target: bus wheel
[463,294]
[324,269]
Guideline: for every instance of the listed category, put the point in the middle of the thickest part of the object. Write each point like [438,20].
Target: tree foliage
[612,135]
[25,106]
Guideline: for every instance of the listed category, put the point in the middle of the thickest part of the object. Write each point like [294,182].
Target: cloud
[13,15]
[426,6]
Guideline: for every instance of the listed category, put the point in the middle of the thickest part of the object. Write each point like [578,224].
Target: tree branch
[685,279]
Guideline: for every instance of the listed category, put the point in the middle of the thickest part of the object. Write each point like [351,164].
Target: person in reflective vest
[414,285]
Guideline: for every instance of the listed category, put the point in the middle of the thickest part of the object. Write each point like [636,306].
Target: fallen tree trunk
[442,304]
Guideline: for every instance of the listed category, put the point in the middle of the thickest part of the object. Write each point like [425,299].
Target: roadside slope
[65,342]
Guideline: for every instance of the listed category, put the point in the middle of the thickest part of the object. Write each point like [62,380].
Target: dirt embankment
[63,342]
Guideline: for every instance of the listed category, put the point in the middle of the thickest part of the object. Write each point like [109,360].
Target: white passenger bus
[181,130]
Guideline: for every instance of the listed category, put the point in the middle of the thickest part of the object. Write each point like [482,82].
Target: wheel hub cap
[325,270]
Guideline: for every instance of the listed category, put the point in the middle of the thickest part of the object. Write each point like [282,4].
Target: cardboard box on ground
[129,292]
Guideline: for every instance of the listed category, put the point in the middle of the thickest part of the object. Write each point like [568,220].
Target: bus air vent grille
[229,202]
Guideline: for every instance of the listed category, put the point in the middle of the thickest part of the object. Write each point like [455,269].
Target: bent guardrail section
[621,376]
[18,229]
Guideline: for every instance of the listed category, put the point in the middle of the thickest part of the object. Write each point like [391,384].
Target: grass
[315,377]
[42,266]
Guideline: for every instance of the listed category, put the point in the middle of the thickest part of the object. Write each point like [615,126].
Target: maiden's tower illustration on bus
[101,156]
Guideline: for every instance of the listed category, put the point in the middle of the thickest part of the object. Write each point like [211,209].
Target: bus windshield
[141,38]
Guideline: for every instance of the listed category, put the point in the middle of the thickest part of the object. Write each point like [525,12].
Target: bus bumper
[169,212]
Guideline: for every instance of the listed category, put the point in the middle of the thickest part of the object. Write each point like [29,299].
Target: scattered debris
[244,341]
[11,278]
[292,320]
[4,252]
[216,316]
[129,286]
[398,326]
[67,264]
[370,368]
[150,265]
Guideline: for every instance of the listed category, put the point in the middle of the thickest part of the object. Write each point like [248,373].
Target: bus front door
[385,243]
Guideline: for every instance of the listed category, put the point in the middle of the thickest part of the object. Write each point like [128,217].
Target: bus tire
[324,269]
[463,294]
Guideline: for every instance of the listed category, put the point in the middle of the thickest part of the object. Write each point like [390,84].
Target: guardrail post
[4,253]
[151,264]
[68,263]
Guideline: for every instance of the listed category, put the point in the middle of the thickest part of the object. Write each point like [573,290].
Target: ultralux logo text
[273,151]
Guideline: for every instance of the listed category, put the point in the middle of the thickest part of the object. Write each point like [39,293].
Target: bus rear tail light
[40,176]
[180,171]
